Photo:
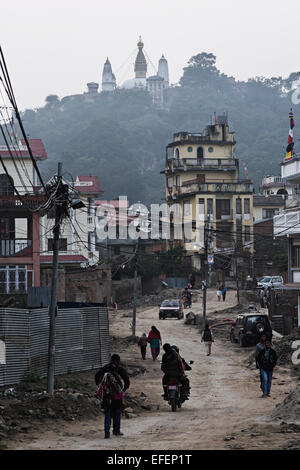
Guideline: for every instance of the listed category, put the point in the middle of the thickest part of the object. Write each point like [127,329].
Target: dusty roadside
[225,410]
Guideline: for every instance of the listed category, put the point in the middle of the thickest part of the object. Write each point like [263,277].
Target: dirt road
[225,400]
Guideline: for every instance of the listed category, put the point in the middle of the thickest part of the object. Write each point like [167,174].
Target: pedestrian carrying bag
[110,387]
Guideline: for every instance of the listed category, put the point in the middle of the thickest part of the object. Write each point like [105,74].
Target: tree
[52,100]
[201,69]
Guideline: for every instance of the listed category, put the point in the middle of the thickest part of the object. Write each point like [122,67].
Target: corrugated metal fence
[82,341]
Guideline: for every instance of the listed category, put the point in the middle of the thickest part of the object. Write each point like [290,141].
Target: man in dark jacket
[112,407]
[267,360]
[259,347]
[171,366]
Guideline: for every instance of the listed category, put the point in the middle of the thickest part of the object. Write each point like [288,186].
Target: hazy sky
[57,46]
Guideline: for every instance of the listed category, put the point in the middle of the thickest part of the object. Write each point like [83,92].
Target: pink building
[20,218]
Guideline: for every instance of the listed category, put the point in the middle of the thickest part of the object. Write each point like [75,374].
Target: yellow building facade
[204,189]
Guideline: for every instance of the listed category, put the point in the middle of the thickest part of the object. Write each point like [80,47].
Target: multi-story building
[272,185]
[20,218]
[287,225]
[202,178]
[78,235]
[265,207]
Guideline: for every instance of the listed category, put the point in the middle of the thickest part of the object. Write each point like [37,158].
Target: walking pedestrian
[143,341]
[267,360]
[262,297]
[111,390]
[155,341]
[219,293]
[259,347]
[208,339]
[223,291]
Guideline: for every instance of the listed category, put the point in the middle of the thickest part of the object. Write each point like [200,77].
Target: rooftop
[88,184]
[21,150]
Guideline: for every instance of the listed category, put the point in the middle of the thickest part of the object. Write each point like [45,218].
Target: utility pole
[204,282]
[53,301]
[135,287]
[237,276]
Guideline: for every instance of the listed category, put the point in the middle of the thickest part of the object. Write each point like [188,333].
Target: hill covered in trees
[121,137]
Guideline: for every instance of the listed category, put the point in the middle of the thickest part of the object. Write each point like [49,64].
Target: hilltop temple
[154,84]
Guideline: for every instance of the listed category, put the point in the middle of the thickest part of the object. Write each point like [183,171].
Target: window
[246,206]
[247,235]
[190,149]
[296,256]
[210,207]
[210,149]
[6,185]
[201,209]
[13,278]
[187,208]
[238,206]
[62,244]
[223,208]
[200,153]
[269,213]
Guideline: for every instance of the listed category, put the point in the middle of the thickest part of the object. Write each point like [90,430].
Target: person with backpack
[208,339]
[267,360]
[111,390]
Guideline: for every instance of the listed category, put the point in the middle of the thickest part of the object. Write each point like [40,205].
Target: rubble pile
[155,299]
[284,350]
[23,407]
[289,410]
[283,347]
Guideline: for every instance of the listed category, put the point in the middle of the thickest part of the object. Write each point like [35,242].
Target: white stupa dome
[134,83]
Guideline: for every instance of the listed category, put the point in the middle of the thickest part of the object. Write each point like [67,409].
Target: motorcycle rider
[172,367]
[185,392]
[187,295]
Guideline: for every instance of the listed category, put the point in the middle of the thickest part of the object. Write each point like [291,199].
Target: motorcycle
[174,393]
[187,302]
[177,393]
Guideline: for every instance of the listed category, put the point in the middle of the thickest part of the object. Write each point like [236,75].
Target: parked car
[171,309]
[248,328]
[270,281]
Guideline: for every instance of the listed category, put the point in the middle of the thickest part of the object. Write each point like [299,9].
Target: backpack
[110,387]
[207,335]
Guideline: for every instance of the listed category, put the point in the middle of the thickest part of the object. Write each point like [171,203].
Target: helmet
[176,348]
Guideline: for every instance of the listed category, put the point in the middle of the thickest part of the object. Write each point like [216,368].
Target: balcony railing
[224,216]
[13,247]
[205,163]
[287,224]
[216,188]
[28,201]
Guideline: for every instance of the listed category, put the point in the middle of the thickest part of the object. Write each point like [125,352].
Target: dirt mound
[283,347]
[289,410]
[155,299]
[25,406]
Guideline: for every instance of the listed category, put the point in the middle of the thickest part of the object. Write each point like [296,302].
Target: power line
[9,91]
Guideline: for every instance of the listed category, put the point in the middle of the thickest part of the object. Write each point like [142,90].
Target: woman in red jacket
[155,341]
